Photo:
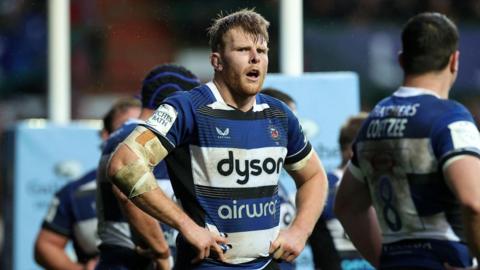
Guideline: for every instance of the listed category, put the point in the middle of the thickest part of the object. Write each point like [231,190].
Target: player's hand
[91,264]
[206,243]
[152,254]
[288,245]
[449,267]
[162,264]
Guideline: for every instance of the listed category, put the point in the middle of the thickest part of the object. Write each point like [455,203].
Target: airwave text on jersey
[255,167]
[254,210]
[395,123]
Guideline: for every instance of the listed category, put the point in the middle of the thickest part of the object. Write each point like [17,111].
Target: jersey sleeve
[298,147]
[59,218]
[455,134]
[172,121]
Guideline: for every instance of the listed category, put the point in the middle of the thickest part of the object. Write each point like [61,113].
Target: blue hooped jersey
[113,227]
[224,164]
[401,151]
[72,214]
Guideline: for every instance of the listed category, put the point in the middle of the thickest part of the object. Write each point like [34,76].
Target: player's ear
[454,60]
[216,61]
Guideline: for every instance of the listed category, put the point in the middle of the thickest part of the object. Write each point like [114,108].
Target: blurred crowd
[381,11]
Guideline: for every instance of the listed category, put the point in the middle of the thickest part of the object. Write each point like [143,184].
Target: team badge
[274,133]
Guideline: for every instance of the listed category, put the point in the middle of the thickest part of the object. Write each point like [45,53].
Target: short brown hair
[349,130]
[428,41]
[119,107]
[247,19]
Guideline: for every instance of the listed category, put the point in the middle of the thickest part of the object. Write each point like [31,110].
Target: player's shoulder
[271,101]
[201,92]
[72,186]
[126,128]
[446,110]
[453,106]
[119,135]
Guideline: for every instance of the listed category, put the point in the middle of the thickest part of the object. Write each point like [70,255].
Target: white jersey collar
[405,91]
[221,104]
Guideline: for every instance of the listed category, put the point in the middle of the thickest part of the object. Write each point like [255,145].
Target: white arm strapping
[136,177]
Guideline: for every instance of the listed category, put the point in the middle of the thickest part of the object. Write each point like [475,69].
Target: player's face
[122,117]
[244,62]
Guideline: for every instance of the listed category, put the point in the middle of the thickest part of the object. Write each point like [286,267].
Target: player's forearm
[310,201]
[52,257]
[146,226]
[472,223]
[150,230]
[159,206]
[362,227]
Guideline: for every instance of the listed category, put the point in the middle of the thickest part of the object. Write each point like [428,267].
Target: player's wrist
[301,230]
[185,225]
[161,251]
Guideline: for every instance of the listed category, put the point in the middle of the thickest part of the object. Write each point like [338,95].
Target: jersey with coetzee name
[72,214]
[113,227]
[401,151]
[224,164]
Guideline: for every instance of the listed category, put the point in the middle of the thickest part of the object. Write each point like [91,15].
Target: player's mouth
[253,74]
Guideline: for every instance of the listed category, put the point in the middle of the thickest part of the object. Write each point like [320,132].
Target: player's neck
[242,103]
[431,81]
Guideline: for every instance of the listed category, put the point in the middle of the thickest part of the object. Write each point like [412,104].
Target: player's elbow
[40,247]
[37,252]
[343,206]
[117,161]
[114,166]
[471,205]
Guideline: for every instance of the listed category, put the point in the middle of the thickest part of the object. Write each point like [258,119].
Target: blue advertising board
[44,157]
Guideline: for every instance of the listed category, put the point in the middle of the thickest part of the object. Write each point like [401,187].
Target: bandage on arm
[130,167]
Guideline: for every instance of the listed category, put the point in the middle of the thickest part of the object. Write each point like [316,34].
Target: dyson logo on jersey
[244,168]
[253,210]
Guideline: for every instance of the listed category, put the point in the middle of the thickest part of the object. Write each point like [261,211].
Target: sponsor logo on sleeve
[464,135]
[163,118]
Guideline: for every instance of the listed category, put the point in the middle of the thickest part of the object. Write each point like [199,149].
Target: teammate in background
[324,249]
[71,216]
[416,163]
[131,239]
[225,145]
[338,253]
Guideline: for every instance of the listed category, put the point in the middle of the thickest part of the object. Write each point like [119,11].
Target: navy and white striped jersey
[224,165]
[400,153]
[113,227]
[72,214]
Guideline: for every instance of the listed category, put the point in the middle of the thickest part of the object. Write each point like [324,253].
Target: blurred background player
[328,238]
[342,254]
[410,196]
[131,239]
[72,216]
